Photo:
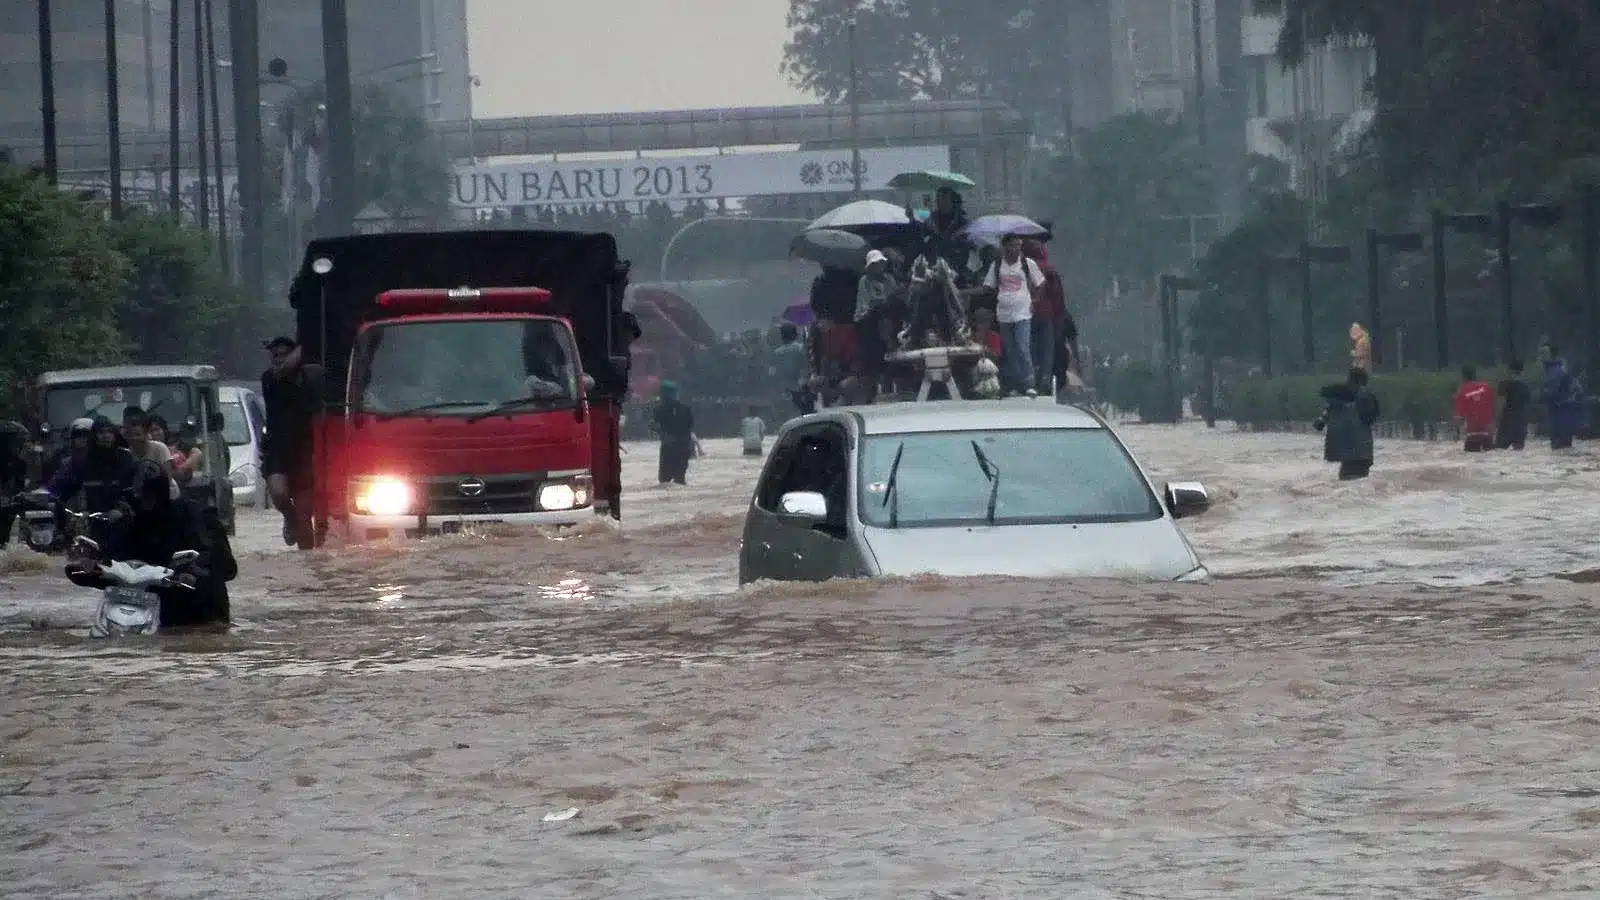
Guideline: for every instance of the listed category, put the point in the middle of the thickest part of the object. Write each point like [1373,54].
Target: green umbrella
[930,180]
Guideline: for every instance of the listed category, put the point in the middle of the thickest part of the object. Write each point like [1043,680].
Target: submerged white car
[1022,488]
[244,421]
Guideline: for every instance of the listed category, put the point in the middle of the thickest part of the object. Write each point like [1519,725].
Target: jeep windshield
[167,399]
[464,367]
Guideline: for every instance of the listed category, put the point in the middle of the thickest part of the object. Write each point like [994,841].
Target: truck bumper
[412,526]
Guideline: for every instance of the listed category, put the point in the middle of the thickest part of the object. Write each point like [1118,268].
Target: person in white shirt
[1014,279]
[754,431]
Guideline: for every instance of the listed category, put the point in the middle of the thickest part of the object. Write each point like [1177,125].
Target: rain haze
[627,55]
[1110,449]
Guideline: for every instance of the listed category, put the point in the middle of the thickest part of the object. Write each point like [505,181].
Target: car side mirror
[803,508]
[588,382]
[185,557]
[1187,498]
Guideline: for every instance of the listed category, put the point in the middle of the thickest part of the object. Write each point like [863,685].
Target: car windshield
[170,400]
[465,367]
[235,427]
[1044,476]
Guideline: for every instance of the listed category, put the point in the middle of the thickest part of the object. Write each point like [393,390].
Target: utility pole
[855,110]
[47,92]
[113,111]
[244,38]
[200,114]
[174,110]
[340,208]
[216,147]
[1197,25]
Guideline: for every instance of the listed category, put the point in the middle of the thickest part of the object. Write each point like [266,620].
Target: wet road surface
[1385,695]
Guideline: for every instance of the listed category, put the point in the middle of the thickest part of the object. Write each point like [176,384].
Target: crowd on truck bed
[930,286]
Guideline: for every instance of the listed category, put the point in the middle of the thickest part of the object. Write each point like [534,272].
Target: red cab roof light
[465,299]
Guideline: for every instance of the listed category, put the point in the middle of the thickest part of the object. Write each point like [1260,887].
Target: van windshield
[168,399]
[464,367]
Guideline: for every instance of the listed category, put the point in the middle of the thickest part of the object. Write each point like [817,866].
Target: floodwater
[1389,691]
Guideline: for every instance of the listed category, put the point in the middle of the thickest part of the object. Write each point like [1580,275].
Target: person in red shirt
[1049,316]
[983,333]
[1475,411]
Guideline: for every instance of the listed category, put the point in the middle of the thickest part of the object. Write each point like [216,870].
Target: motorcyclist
[151,526]
[104,473]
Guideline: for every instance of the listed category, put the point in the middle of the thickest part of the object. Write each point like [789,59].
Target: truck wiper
[890,495]
[418,410]
[507,406]
[991,472]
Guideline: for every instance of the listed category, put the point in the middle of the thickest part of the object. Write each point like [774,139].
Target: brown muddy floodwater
[1390,691]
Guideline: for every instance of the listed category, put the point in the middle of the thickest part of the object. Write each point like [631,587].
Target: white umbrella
[860,214]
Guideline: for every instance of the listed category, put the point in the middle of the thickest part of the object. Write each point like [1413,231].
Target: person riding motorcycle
[104,474]
[151,527]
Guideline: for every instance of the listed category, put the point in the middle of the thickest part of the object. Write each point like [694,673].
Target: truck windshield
[170,400]
[464,367]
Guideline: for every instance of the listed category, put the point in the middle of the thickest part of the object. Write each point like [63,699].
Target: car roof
[113,374]
[970,415]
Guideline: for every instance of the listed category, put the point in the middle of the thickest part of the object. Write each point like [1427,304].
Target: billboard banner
[682,178]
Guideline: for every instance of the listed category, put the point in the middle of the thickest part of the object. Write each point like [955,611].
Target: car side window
[779,474]
[811,460]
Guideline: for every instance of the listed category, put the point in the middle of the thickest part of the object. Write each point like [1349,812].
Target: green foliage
[78,289]
[1415,399]
[61,277]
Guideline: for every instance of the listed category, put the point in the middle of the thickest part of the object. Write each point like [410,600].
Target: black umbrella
[832,248]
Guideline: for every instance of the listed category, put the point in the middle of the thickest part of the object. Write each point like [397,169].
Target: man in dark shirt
[1515,396]
[673,420]
[292,394]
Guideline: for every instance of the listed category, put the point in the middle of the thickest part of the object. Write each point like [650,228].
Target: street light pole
[341,208]
[113,110]
[174,110]
[855,110]
[244,41]
[47,92]
[216,146]
[200,114]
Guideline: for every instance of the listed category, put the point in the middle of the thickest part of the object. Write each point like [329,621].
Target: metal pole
[1508,323]
[174,110]
[1170,402]
[1374,306]
[1591,275]
[200,113]
[1308,335]
[1264,304]
[47,92]
[1198,27]
[1441,317]
[147,29]
[855,111]
[113,110]
[341,211]
[243,33]
[223,253]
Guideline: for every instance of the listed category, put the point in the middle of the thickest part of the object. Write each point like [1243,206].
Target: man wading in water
[673,420]
[1351,411]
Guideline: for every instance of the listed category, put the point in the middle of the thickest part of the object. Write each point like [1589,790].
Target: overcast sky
[538,57]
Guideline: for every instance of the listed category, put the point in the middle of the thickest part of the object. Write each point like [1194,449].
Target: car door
[820,551]
[769,547]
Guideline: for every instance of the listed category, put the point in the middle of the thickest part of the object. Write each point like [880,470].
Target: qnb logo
[812,174]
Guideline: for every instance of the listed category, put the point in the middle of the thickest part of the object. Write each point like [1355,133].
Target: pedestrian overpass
[988,141]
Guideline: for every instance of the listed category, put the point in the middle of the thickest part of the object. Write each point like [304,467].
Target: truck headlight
[380,496]
[568,493]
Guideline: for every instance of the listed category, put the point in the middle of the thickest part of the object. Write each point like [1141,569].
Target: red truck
[470,377]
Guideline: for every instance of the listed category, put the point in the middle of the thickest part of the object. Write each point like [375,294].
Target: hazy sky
[540,57]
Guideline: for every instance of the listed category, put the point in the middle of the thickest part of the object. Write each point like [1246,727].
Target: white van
[244,420]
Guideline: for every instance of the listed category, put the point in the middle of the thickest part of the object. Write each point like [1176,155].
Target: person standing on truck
[292,394]
[673,421]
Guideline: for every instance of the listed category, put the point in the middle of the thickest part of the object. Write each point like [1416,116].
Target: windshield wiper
[991,472]
[890,496]
[507,406]
[418,410]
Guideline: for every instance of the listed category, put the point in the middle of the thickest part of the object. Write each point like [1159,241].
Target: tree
[1009,50]
[60,281]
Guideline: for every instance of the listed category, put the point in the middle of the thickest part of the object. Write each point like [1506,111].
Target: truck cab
[458,389]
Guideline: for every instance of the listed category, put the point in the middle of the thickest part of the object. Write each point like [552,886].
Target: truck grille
[501,495]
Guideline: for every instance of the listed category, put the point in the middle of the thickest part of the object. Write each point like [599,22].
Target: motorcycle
[129,604]
[37,523]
